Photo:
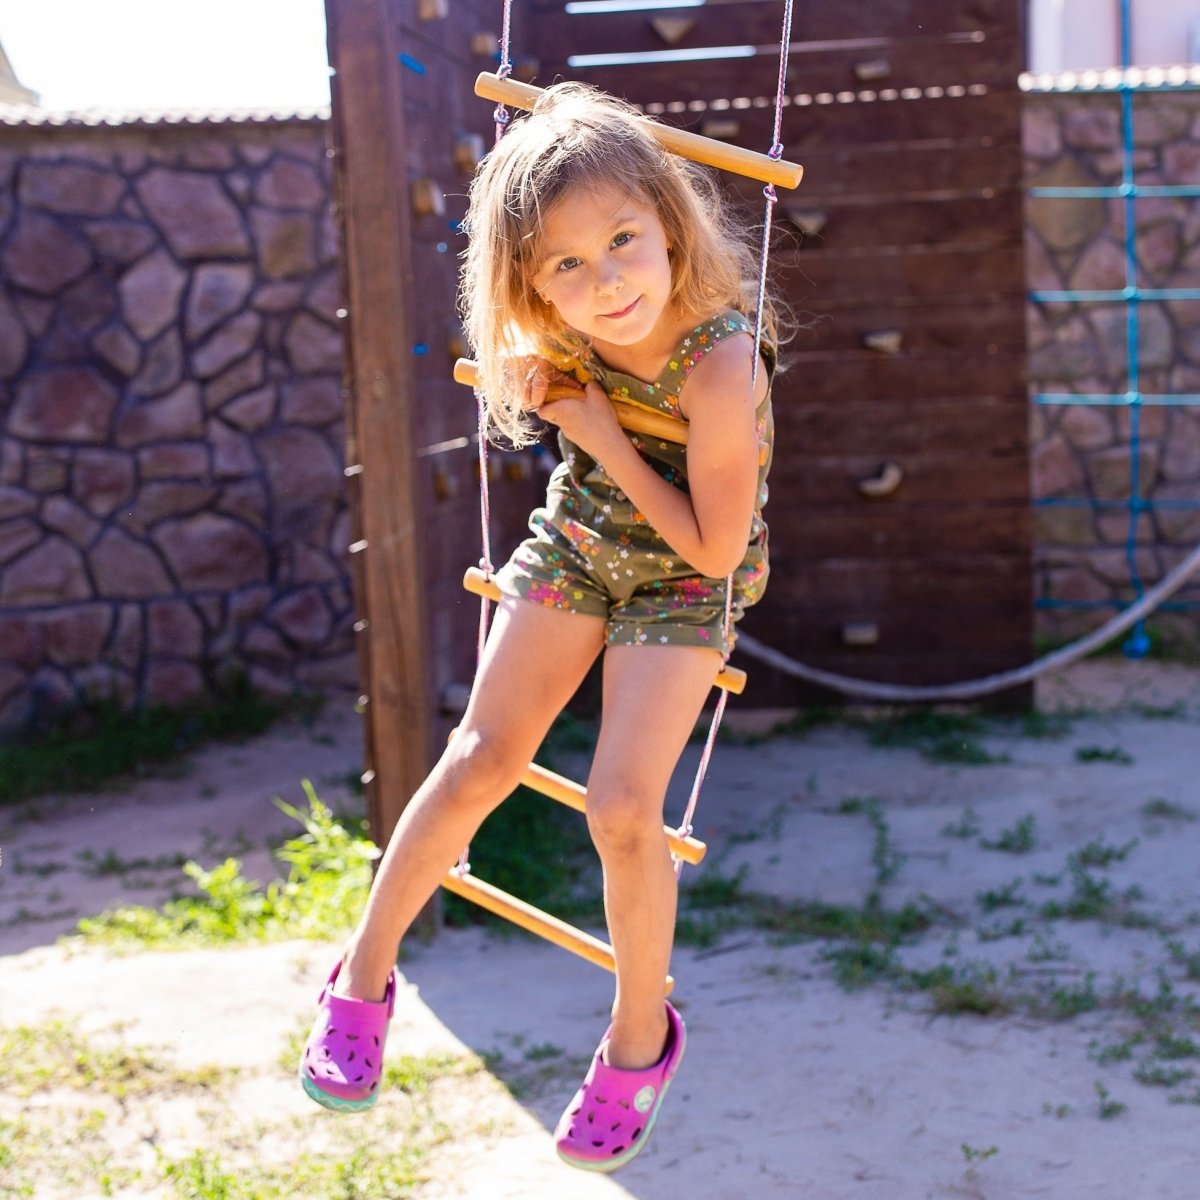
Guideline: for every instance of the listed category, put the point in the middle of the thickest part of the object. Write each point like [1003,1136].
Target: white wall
[1070,35]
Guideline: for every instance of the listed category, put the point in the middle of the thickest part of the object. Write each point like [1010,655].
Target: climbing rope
[974,688]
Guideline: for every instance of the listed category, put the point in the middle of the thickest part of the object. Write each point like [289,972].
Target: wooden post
[373,198]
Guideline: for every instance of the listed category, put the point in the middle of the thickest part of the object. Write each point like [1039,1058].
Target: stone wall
[172,504]
[1083,451]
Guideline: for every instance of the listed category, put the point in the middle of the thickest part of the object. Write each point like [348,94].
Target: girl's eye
[622,239]
[568,264]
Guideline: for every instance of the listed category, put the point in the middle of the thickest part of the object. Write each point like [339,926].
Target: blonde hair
[579,137]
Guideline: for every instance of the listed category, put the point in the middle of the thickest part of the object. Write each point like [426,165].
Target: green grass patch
[940,737]
[1104,754]
[329,875]
[101,742]
[1020,839]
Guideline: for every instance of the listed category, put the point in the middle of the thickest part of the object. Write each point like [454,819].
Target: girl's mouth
[614,316]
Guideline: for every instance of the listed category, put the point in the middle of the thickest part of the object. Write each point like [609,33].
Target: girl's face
[606,268]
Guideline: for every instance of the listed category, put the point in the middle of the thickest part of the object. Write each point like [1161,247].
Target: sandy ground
[792,1086]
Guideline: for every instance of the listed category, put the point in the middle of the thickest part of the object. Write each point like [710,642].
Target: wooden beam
[534,920]
[368,135]
[637,418]
[699,149]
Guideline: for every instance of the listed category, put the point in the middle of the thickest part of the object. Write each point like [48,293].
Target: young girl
[592,245]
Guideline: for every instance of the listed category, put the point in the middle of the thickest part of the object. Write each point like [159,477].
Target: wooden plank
[878,431]
[926,271]
[888,18]
[923,328]
[902,529]
[995,63]
[963,373]
[936,480]
[369,141]
[982,221]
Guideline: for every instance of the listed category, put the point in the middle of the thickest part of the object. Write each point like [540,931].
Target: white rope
[972,689]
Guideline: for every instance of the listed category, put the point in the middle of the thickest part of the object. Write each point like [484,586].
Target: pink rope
[776,152]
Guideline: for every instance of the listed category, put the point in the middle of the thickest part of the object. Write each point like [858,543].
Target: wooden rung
[574,795]
[543,924]
[732,679]
[678,141]
[637,418]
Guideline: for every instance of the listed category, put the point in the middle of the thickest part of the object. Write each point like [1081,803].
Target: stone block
[66,517]
[46,470]
[150,293]
[252,411]
[1065,526]
[303,618]
[1086,427]
[158,500]
[119,348]
[1157,122]
[325,298]
[208,551]
[129,639]
[233,452]
[175,460]
[162,367]
[229,344]
[14,341]
[177,416]
[285,243]
[245,499]
[312,401]
[1100,267]
[301,467]
[218,291]
[241,377]
[307,564]
[16,536]
[77,635]
[52,572]
[1110,472]
[1096,126]
[102,480]
[16,502]
[335,671]
[173,682]
[278,297]
[1181,162]
[263,642]
[1178,526]
[287,184]
[22,641]
[1158,249]
[312,346]
[119,241]
[36,313]
[174,627]
[194,214]
[1041,136]
[1057,470]
[44,255]
[1113,528]
[127,569]
[1181,450]
[63,404]
[211,155]
[67,187]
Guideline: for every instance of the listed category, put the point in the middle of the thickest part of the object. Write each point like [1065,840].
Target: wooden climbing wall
[903,249]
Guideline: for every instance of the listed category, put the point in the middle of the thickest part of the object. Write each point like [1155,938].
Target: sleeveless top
[592,510]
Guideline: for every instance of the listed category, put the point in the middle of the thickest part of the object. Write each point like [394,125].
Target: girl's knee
[481,769]
[623,818]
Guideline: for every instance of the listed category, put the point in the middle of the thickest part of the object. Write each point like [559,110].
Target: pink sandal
[610,1118]
[342,1062]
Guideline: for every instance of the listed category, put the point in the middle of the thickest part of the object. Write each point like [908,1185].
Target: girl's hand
[539,377]
[586,418]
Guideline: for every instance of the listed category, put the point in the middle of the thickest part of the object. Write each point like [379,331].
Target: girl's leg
[534,661]
[652,698]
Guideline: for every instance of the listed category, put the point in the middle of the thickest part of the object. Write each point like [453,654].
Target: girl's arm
[710,528]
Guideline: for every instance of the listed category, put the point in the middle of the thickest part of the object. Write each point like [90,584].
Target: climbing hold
[872,69]
[860,633]
[884,482]
[432,10]
[672,29]
[485,45]
[810,221]
[884,341]
[467,152]
[427,198]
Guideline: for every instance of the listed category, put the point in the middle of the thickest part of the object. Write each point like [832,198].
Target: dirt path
[793,1085]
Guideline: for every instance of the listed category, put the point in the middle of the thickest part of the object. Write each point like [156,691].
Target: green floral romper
[593,552]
